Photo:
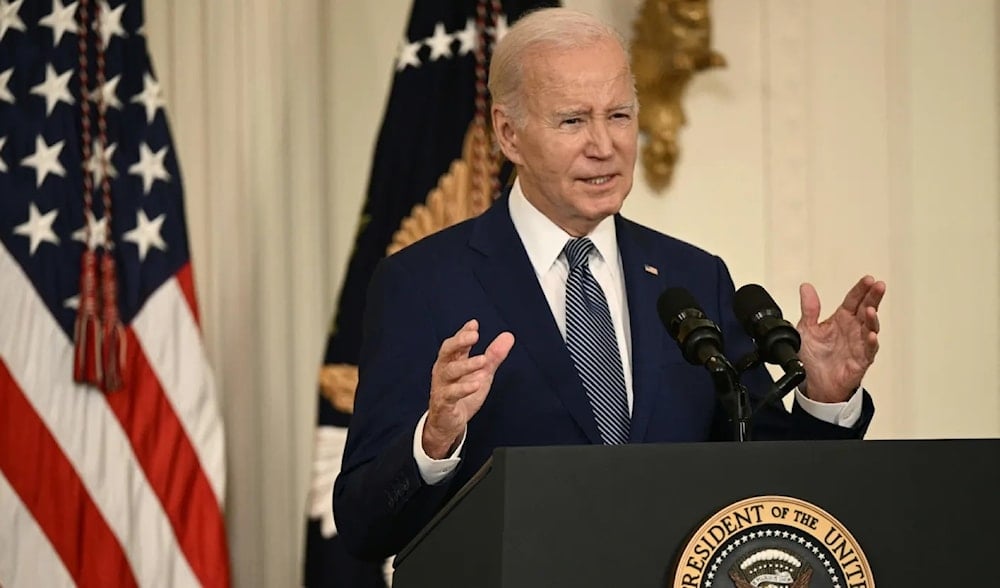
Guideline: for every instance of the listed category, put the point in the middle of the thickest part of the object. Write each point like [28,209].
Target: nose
[600,144]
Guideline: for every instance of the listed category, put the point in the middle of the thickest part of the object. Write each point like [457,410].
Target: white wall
[845,137]
[951,230]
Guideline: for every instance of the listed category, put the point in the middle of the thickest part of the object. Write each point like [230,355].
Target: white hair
[547,28]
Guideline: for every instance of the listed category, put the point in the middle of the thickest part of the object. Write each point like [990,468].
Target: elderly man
[536,323]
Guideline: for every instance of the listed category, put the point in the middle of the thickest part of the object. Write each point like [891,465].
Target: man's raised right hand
[459,385]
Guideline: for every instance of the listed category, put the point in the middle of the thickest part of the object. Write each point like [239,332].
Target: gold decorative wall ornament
[339,382]
[464,191]
[672,43]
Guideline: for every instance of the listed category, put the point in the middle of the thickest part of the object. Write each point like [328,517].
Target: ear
[506,134]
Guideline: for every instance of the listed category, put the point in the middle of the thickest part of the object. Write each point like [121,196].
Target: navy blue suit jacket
[480,269]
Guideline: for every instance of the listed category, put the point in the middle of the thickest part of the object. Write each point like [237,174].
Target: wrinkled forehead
[600,64]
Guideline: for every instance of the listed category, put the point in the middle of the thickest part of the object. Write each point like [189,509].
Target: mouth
[598,180]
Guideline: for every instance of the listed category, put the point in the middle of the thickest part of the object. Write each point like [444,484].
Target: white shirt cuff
[845,414]
[434,471]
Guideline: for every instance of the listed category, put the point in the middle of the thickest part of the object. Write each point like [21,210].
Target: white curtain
[843,137]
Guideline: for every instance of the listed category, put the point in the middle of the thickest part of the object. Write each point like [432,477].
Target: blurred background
[844,137]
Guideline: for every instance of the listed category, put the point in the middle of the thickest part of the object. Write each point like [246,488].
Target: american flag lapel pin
[651,270]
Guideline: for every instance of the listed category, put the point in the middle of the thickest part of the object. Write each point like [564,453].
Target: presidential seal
[772,542]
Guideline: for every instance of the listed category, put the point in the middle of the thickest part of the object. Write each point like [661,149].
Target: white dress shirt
[544,241]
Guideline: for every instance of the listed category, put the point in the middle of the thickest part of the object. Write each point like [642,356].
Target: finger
[456,391]
[872,298]
[856,294]
[491,359]
[459,344]
[809,303]
[871,319]
[456,369]
[498,350]
[871,345]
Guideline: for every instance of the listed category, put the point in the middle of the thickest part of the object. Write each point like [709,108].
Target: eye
[572,122]
[621,116]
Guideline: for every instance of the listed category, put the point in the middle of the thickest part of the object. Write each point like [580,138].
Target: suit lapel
[509,281]
[643,285]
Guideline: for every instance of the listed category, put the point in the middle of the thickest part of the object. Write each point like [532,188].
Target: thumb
[498,349]
[809,302]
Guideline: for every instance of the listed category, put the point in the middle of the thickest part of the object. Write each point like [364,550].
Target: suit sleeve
[772,422]
[380,501]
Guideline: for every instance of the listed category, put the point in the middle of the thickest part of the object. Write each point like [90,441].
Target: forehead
[596,74]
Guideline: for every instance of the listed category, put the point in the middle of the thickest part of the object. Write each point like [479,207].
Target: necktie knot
[578,251]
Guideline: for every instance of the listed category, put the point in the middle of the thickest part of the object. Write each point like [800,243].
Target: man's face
[576,151]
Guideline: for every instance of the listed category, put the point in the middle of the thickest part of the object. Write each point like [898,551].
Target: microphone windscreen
[671,303]
[750,300]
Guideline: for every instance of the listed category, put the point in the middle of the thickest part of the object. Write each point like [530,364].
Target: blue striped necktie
[590,337]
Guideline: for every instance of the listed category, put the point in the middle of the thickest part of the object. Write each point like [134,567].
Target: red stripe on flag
[51,490]
[185,277]
[167,456]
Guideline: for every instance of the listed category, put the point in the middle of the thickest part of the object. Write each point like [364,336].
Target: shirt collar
[544,240]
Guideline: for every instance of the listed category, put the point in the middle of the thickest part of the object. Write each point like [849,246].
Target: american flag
[98,487]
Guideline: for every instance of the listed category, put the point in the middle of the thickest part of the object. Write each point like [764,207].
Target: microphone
[699,338]
[777,340]
[700,341]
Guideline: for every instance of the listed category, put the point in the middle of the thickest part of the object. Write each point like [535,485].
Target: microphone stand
[783,386]
[732,394]
[794,375]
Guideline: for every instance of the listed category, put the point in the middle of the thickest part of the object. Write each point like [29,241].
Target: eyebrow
[571,113]
[630,105]
[582,111]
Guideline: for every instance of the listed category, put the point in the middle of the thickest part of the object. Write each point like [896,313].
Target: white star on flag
[38,227]
[109,93]
[9,18]
[150,167]
[111,22]
[501,29]
[98,230]
[55,88]
[61,20]
[5,94]
[3,164]
[45,160]
[101,159]
[407,55]
[440,43]
[467,37]
[146,234]
[150,97]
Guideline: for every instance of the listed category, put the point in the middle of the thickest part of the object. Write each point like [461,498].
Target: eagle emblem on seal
[771,568]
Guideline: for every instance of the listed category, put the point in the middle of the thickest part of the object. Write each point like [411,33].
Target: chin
[599,213]
[612,202]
